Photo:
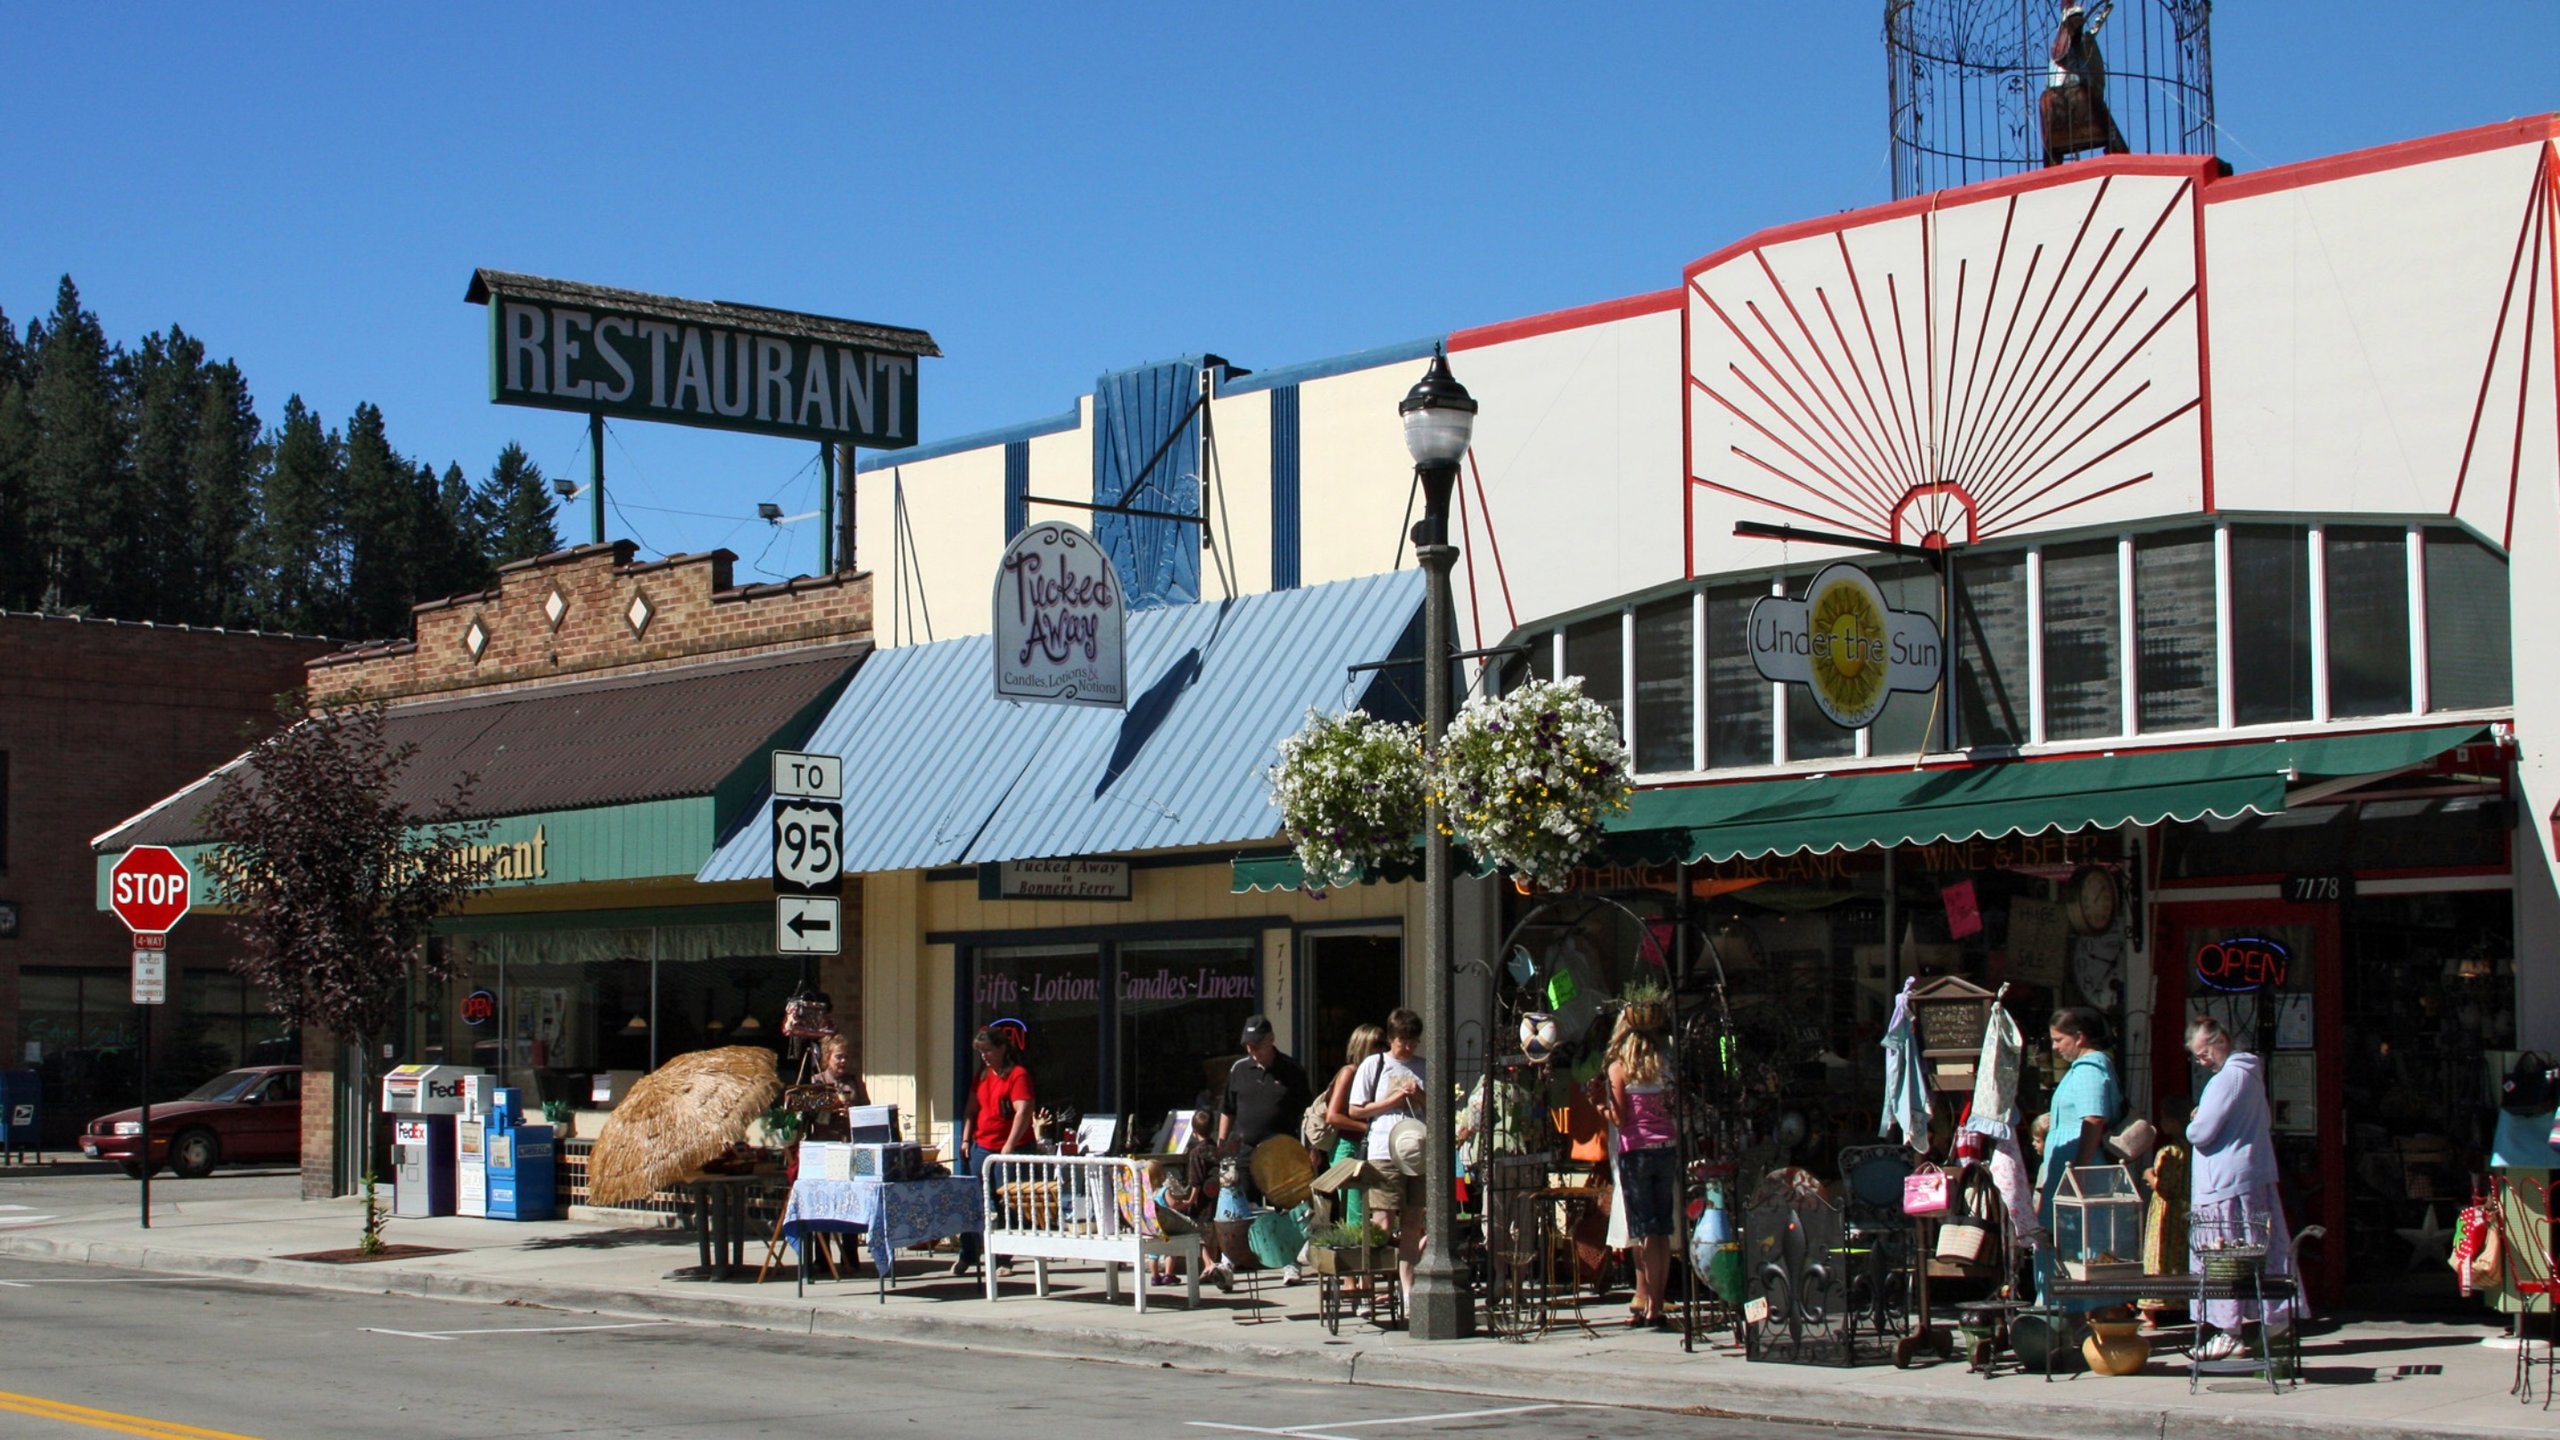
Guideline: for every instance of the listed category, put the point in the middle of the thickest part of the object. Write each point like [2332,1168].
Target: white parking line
[513,1330]
[117,1280]
[1323,1431]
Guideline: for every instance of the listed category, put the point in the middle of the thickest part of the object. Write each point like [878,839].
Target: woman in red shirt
[1000,1108]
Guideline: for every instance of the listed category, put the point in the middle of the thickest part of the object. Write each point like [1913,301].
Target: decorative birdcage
[2097,1223]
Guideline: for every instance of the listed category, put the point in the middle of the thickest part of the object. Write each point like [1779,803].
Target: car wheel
[134,1168]
[194,1153]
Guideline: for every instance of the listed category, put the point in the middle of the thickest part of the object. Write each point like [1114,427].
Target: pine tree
[20,578]
[383,531]
[447,559]
[302,536]
[165,385]
[517,509]
[82,519]
[223,466]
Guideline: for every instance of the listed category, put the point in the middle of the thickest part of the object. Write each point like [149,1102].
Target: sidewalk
[2381,1380]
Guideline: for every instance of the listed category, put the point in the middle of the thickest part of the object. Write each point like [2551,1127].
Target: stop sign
[149,889]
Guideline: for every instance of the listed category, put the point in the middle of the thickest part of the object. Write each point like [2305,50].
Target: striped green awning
[1820,813]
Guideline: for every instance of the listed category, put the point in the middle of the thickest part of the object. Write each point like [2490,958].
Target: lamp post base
[1441,1307]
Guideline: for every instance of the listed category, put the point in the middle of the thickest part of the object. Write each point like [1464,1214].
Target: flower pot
[1345,1260]
[2116,1347]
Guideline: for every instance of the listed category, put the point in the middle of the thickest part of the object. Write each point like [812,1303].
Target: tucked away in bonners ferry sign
[1060,620]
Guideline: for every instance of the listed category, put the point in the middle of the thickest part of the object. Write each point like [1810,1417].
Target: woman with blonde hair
[1350,1133]
[1638,1102]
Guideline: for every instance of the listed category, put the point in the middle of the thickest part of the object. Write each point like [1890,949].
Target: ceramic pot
[2116,1347]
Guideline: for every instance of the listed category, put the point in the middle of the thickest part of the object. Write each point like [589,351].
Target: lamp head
[565,489]
[768,512]
[1439,417]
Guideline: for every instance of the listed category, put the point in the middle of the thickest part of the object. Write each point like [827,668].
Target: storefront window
[1182,1006]
[2083,669]
[77,1027]
[1591,650]
[2470,661]
[2173,597]
[2367,569]
[1903,727]
[2270,624]
[1739,727]
[1051,997]
[1991,649]
[227,1020]
[1664,651]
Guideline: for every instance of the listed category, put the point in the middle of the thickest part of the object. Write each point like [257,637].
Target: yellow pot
[2116,1347]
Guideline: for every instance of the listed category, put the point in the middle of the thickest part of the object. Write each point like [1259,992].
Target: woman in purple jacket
[2234,1179]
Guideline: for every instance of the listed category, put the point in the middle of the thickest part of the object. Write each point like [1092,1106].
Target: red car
[246,1116]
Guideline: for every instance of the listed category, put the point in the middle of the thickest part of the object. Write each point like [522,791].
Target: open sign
[479,1008]
[2242,964]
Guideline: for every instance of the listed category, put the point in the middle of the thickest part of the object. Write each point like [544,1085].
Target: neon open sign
[2242,964]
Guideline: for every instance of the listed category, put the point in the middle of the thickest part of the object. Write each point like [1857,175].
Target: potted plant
[555,1113]
[1349,789]
[1344,1249]
[1528,777]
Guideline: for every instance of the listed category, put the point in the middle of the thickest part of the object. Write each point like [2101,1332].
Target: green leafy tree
[338,875]
[521,518]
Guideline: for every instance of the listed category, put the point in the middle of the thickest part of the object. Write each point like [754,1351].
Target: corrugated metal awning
[939,771]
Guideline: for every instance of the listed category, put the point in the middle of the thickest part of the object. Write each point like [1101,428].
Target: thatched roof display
[677,1117]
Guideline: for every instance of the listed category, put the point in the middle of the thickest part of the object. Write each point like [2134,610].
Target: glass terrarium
[2097,1223]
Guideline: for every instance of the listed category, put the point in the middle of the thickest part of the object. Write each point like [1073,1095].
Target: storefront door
[2269,972]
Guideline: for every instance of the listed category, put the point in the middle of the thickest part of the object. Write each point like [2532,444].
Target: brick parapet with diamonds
[594,611]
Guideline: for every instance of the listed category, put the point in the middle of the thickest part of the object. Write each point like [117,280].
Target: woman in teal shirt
[2086,1106]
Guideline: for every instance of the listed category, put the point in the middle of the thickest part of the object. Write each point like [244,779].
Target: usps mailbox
[21,1108]
[423,1102]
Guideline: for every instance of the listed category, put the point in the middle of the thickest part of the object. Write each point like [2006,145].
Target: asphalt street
[38,1195]
[97,1350]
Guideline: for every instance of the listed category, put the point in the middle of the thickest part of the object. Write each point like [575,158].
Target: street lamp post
[1439,416]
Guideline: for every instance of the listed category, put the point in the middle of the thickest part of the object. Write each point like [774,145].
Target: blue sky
[1051,190]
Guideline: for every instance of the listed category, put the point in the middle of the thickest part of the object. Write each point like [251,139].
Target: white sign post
[1060,620]
[150,971]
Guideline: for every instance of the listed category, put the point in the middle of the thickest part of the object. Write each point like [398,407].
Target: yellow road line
[70,1414]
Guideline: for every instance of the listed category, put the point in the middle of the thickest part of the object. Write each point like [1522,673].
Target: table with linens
[894,1215]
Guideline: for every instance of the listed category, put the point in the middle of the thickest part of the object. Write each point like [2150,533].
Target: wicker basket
[2233,1264]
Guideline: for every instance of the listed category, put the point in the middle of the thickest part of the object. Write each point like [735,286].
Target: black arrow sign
[802,924]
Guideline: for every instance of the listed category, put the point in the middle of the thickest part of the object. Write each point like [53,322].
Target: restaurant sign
[558,345]
[1060,620]
[1841,642]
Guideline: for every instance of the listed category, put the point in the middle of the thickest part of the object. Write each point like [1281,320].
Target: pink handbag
[1924,1191]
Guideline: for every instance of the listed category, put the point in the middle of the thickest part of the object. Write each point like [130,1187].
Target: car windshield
[230,1085]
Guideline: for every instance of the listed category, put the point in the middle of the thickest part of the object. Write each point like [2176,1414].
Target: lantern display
[2097,1223]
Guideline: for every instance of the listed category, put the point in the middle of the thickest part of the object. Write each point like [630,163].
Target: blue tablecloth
[895,1214]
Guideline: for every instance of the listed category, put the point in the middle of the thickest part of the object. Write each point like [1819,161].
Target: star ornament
[2430,1242]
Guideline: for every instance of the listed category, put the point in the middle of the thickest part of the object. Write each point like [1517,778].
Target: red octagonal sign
[149,889]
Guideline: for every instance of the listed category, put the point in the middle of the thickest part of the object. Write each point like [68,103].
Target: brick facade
[693,612]
[98,720]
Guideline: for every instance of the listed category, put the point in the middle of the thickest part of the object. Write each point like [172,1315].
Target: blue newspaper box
[21,1113]
[523,1167]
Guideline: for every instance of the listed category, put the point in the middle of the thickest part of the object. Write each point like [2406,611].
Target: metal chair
[1875,1252]
[2539,1282]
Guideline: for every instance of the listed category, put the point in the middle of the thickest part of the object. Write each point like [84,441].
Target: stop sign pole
[150,889]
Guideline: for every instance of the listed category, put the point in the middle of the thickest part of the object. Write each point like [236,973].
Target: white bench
[1079,1207]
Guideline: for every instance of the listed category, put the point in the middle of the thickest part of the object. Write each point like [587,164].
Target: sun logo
[1849,666]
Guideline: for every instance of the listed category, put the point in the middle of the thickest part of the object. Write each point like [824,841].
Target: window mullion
[2318,574]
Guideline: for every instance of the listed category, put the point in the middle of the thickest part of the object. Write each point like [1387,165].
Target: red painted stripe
[1867,473]
[1577,318]
[2551,247]
[1778,505]
[1770,435]
[2132,263]
[1800,408]
[1826,498]
[1970,441]
[1902,347]
[1493,542]
[2193,167]
[2497,339]
[2398,156]
[2002,419]
[1870,452]
[1990,298]
[2026,520]
[2204,364]
[2000,500]
[2103,456]
[2524,388]
[1848,352]
[2020,469]
[1904,433]
[1688,451]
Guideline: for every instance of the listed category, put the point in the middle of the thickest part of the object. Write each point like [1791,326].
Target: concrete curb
[1839,1400]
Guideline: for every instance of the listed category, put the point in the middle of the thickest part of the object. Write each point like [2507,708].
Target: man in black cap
[1267,1093]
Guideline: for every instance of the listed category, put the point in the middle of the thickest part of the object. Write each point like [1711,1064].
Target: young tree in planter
[338,871]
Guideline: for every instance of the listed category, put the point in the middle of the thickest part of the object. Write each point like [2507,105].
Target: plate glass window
[2270,624]
[1991,649]
[1664,653]
[2083,666]
[2173,597]
[2470,656]
[2368,611]
[1591,650]
[1739,724]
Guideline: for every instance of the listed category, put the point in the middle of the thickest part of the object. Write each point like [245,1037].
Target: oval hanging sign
[1844,644]
[1060,620]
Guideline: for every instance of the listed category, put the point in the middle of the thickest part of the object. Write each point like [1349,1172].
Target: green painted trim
[649,840]
[724,914]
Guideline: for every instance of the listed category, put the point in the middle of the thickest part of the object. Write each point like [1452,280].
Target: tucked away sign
[1060,621]
[559,345]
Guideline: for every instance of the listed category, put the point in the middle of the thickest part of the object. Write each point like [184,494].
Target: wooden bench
[1080,1207]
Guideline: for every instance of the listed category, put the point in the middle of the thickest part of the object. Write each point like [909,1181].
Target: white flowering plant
[1349,789]
[1526,778]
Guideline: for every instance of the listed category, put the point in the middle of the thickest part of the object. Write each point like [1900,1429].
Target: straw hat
[1281,1171]
[1408,1147]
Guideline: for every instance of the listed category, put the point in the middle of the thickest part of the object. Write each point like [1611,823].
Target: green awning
[1820,813]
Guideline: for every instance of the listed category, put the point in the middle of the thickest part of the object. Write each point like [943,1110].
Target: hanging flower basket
[1349,789]
[1527,777]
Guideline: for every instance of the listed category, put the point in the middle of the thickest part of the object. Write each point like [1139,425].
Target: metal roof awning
[938,770]
[1749,819]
